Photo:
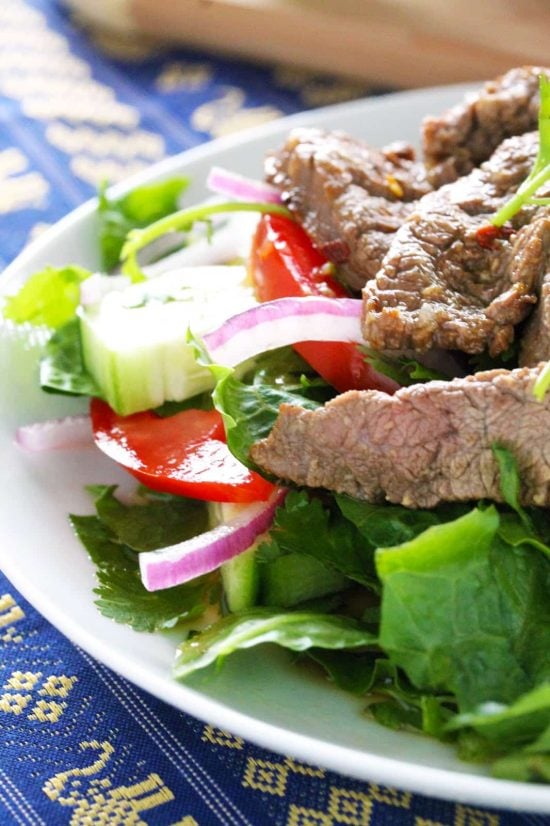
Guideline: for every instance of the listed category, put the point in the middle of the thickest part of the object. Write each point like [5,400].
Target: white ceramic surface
[257,695]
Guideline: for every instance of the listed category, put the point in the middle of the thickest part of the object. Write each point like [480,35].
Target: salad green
[439,619]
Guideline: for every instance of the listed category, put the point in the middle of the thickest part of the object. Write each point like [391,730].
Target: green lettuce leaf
[49,297]
[297,631]
[62,367]
[250,406]
[466,613]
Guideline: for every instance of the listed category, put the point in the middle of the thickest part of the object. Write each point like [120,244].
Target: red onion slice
[204,553]
[282,322]
[56,434]
[241,188]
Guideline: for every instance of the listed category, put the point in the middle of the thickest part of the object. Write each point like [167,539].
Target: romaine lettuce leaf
[467,613]
[295,630]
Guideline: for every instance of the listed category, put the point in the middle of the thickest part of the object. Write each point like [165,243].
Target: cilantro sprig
[540,173]
[182,221]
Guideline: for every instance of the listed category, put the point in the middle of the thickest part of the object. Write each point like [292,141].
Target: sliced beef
[426,444]
[350,197]
[535,339]
[440,285]
[467,134]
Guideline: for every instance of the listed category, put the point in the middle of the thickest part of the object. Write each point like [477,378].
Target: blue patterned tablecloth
[79,744]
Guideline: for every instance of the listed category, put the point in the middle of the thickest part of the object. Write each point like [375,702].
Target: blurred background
[405,43]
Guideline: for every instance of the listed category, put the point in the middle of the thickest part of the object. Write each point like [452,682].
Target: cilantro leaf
[306,525]
[121,594]
[155,523]
[540,173]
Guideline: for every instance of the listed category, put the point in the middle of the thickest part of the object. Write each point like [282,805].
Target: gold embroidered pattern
[264,776]
[271,778]
[392,797]
[98,801]
[349,807]
[422,821]
[20,692]
[220,737]
[87,122]
[228,114]
[10,613]
[181,76]
[301,816]
[19,189]
[303,768]
[466,816]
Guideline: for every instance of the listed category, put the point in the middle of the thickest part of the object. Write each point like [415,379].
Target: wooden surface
[396,42]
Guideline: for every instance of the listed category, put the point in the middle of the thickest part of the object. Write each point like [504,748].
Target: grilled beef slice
[426,444]
[439,286]
[535,339]
[468,133]
[350,197]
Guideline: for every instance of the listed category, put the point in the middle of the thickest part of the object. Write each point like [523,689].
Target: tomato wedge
[283,263]
[184,454]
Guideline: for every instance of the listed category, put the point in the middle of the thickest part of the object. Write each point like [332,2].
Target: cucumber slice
[240,575]
[241,581]
[134,339]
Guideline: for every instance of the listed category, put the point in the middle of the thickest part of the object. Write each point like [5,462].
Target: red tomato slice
[184,454]
[283,263]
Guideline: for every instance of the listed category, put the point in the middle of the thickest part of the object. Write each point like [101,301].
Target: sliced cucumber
[134,339]
[240,576]
[241,581]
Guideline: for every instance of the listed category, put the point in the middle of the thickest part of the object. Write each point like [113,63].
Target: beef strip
[426,444]
[350,197]
[438,286]
[535,338]
[467,134]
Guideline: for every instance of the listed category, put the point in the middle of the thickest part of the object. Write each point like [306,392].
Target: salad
[435,614]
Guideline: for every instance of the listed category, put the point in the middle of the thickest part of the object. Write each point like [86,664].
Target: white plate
[258,696]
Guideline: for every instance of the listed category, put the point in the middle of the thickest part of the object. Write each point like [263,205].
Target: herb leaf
[541,168]
[121,594]
[49,297]
[295,630]
[137,209]
[62,367]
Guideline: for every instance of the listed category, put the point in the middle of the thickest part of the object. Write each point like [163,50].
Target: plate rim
[466,788]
